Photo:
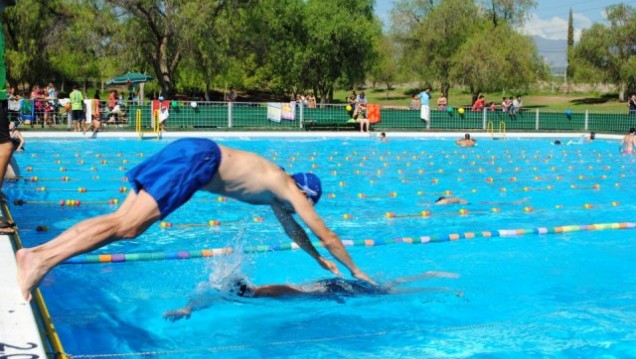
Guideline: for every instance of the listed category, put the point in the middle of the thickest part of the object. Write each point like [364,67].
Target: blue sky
[549,19]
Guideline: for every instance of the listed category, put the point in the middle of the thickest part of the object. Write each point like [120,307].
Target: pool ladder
[491,129]
[154,122]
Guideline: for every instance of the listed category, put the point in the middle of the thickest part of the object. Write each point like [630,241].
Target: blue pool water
[555,295]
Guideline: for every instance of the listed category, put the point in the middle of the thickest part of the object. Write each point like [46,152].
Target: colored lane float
[122,189]
[388,215]
[465,211]
[65,202]
[426,239]
[38,179]
[210,223]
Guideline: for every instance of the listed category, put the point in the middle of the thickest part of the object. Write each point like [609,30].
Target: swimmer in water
[450,200]
[333,288]
[467,141]
[628,142]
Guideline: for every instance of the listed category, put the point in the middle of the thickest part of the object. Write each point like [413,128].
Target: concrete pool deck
[19,331]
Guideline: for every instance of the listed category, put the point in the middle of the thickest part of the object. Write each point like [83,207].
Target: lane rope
[439,238]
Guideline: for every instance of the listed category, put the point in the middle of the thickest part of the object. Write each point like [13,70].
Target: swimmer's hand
[358,274]
[174,315]
[329,265]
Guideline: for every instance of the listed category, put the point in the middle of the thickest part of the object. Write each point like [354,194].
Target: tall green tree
[159,33]
[434,34]
[80,51]
[385,69]
[513,12]
[497,58]
[279,58]
[609,52]
[213,45]
[339,43]
[570,69]
[30,27]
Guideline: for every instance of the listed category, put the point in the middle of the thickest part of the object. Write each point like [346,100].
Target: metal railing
[210,115]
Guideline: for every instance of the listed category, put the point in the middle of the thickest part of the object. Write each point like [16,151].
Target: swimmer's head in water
[592,135]
[557,142]
[467,136]
[241,288]
[310,184]
[440,199]
[632,130]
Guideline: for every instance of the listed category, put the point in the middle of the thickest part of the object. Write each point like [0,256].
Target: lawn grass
[543,100]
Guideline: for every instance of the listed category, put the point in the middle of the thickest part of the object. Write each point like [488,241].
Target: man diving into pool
[332,288]
[168,179]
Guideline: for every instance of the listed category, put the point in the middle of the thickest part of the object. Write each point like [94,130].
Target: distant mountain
[553,51]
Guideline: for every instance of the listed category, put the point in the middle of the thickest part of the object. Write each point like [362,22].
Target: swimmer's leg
[134,216]
[421,290]
[418,277]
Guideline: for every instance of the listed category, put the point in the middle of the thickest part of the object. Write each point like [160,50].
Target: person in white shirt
[517,104]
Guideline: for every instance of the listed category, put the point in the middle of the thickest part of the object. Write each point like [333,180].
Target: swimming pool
[567,294]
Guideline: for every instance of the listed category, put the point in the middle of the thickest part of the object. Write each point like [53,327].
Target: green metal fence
[244,115]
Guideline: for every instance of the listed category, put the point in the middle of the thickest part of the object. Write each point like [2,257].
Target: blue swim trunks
[172,175]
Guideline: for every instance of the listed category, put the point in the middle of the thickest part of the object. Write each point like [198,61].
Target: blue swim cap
[310,183]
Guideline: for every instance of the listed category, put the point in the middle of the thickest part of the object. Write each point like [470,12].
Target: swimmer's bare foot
[29,272]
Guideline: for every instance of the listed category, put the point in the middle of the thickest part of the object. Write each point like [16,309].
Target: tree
[159,33]
[609,52]
[513,12]
[216,39]
[497,58]
[385,69]
[30,27]
[279,58]
[434,34]
[570,69]
[80,50]
[339,44]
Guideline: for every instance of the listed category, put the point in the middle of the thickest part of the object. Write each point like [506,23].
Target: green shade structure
[131,78]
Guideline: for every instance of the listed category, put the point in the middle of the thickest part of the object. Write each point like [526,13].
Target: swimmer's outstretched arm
[329,239]
[203,300]
[278,290]
[199,302]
